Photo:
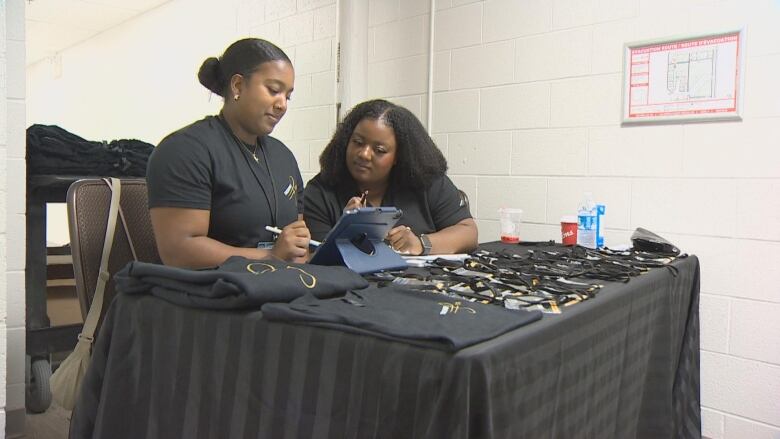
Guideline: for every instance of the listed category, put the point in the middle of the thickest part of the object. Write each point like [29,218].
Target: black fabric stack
[52,150]
[238,283]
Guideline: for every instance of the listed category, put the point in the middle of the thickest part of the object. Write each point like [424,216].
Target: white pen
[278,231]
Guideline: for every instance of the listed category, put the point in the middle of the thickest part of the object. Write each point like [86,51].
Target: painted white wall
[526,108]
[397,53]
[12,214]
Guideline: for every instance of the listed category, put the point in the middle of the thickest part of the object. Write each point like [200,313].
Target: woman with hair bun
[216,184]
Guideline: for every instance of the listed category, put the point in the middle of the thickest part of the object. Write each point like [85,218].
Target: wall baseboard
[14,423]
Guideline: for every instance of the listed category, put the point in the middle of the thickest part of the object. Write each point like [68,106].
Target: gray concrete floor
[51,424]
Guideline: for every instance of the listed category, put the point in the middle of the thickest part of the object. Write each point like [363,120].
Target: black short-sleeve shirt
[204,166]
[434,208]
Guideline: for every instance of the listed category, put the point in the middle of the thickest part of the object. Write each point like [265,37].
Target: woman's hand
[353,203]
[356,202]
[293,243]
[404,241]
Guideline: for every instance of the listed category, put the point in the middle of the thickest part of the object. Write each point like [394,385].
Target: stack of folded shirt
[237,283]
[53,150]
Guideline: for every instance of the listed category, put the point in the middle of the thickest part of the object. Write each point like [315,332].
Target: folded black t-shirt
[423,319]
[237,283]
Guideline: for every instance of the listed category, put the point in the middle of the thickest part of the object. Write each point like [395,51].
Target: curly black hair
[418,160]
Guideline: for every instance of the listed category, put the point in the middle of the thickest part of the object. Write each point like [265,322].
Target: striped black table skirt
[623,365]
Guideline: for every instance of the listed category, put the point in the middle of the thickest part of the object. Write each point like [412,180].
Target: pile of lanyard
[544,278]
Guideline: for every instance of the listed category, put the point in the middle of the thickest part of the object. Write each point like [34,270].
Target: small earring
[235,97]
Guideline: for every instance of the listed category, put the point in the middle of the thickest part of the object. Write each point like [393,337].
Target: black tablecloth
[623,365]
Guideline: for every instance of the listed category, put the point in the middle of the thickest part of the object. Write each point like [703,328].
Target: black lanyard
[249,160]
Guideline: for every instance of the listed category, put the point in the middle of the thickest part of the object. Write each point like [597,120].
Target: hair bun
[210,75]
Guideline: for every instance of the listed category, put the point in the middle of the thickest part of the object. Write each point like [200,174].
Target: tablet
[357,241]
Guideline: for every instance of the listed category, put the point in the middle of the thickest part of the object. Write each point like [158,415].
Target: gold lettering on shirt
[292,188]
[312,280]
[267,268]
[307,279]
[447,307]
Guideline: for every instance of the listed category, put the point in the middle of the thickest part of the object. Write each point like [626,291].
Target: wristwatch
[426,244]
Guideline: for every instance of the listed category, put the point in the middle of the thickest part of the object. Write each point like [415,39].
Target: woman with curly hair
[381,155]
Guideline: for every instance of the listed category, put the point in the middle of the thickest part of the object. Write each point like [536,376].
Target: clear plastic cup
[511,219]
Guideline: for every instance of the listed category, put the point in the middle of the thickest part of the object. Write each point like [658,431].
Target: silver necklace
[254,153]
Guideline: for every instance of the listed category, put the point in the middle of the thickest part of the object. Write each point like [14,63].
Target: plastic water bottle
[587,226]
[600,210]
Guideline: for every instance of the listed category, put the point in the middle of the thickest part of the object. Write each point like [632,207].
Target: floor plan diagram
[691,75]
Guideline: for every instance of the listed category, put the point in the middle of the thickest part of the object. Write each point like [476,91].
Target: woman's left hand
[404,241]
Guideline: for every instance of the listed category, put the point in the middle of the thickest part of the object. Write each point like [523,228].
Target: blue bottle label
[586,230]
[587,222]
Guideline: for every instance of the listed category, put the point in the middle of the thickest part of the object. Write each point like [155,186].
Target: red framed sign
[684,79]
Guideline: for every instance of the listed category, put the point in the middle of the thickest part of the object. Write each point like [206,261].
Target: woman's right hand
[354,203]
[293,243]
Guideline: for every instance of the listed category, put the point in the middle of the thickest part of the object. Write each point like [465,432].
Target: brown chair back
[88,204]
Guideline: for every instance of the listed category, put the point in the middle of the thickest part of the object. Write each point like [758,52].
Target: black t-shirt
[204,166]
[395,313]
[434,208]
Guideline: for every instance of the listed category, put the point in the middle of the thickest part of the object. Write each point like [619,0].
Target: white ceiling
[55,25]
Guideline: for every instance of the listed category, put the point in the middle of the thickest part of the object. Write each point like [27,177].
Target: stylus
[278,231]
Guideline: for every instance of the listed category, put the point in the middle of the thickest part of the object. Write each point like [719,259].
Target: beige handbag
[66,381]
